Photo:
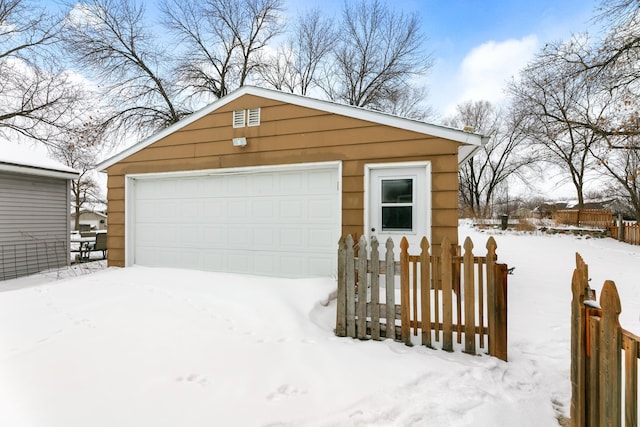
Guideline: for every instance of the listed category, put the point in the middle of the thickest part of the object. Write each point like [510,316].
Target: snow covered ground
[167,347]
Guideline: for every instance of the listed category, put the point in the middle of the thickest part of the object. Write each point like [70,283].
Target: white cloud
[483,72]
[486,68]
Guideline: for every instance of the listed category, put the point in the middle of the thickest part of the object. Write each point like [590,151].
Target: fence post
[447,295]
[500,306]
[469,299]
[361,307]
[390,289]
[631,385]
[351,289]
[341,315]
[375,289]
[578,345]
[425,291]
[405,305]
[620,228]
[491,293]
[610,360]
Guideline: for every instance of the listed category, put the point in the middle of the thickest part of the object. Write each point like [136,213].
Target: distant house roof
[82,212]
[471,141]
[19,159]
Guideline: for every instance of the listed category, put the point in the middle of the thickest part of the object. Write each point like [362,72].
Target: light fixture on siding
[239,142]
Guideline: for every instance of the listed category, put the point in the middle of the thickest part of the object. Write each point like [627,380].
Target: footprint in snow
[192,379]
[285,391]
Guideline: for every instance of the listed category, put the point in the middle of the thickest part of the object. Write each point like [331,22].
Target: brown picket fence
[604,357]
[440,295]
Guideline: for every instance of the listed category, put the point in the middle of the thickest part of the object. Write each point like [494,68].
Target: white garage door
[268,222]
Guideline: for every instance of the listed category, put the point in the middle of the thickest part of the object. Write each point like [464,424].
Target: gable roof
[18,159]
[471,141]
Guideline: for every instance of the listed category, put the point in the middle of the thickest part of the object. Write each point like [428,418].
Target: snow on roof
[28,160]
[470,141]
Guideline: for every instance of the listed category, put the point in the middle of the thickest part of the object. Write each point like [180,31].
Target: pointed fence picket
[441,295]
[604,384]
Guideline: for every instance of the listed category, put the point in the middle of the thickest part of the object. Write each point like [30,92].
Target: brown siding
[292,134]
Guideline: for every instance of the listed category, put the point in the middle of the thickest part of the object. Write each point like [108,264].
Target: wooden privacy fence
[599,372]
[585,217]
[628,233]
[440,294]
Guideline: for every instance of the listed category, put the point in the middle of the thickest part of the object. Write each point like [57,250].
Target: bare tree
[35,96]
[279,71]
[313,40]
[611,64]
[294,67]
[502,158]
[78,148]
[624,167]
[407,101]
[109,38]
[378,53]
[556,99]
[222,39]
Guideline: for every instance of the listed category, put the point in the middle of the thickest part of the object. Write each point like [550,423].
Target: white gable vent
[253,115]
[238,119]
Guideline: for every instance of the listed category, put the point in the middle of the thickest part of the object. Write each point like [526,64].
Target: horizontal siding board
[114,181]
[34,224]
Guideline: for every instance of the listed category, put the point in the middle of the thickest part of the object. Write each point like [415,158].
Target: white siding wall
[34,224]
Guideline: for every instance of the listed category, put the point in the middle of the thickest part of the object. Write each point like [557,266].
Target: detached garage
[265,182]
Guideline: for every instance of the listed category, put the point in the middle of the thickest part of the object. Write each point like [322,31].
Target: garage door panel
[291,209]
[264,239]
[320,182]
[283,223]
[191,209]
[215,236]
[237,209]
[319,238]
[265,264]
[321,208]
[264,209]
[318,264]
[213,208]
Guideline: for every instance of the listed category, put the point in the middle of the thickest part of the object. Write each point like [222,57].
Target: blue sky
[476,44]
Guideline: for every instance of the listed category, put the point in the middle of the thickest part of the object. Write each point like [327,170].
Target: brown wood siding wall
[291,134]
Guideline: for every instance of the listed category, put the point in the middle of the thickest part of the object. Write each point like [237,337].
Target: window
[253,116]
[397,204]
[238,119]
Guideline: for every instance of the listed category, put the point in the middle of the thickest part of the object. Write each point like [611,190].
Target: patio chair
[101,244]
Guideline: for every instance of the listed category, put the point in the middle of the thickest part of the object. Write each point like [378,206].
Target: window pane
[397,218]
[397,190]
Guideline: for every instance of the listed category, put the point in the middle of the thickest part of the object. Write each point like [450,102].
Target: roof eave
[32,170]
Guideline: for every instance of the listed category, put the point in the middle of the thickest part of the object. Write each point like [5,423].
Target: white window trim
[367,190]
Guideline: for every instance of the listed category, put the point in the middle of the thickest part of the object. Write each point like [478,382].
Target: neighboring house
[266,182]
[34,213]
[95,220]
[521,213]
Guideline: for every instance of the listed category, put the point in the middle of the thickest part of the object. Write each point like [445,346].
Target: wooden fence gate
[439,295]
[598,374]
